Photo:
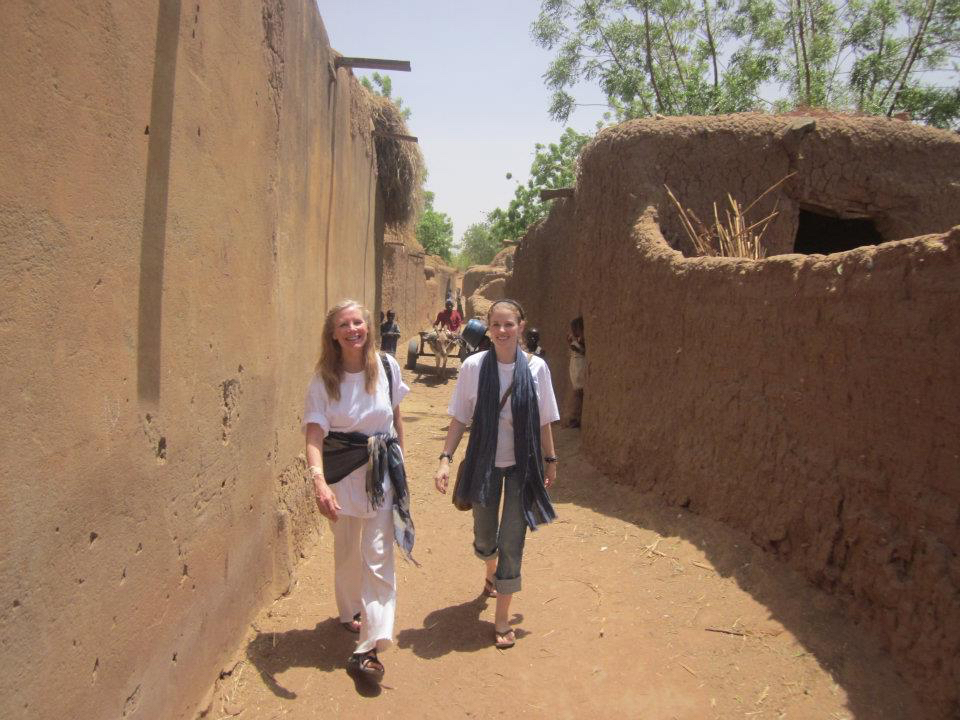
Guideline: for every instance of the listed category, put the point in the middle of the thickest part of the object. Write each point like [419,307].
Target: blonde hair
[330,365]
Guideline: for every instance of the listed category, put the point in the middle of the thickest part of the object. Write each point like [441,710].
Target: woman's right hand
[442,478]
[326,500]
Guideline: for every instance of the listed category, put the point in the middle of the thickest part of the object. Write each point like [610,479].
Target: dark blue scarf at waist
[345,452]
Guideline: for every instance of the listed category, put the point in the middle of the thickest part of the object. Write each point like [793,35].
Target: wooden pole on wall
[558,193]
[395,136]
[372,63]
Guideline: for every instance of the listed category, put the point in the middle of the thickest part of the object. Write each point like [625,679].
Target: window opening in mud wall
[823,234]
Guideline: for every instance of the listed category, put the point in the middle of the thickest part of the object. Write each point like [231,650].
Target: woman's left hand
[550,476]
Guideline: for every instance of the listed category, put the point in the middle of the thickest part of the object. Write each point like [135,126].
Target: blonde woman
[508,396]
[354,439]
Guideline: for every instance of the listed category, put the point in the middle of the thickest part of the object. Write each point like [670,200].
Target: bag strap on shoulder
[506,396]
[386,369]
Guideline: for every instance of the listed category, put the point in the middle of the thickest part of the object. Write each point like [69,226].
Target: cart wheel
[413,351]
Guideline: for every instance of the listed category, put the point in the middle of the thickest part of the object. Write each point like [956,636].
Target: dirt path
[629,609]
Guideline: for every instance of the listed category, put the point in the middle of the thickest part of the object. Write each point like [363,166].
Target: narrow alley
[629,609]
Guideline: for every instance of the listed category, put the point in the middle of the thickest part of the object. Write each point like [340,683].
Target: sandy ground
[629,609]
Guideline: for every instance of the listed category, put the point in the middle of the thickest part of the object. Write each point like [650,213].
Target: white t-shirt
[465,399]
[356,411]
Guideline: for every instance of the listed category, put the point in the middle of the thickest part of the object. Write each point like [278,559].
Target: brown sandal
[366,665]
[505,639]
[488,589]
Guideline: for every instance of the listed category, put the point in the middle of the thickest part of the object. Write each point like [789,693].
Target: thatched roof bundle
[400,164]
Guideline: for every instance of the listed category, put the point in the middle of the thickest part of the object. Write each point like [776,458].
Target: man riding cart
[449,318]
[442,342]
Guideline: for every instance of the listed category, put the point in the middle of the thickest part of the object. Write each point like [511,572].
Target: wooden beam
[395,136]
[558,193]
[372,63]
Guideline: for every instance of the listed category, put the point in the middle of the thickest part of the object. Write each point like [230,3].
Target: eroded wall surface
[810,401]
[183,192]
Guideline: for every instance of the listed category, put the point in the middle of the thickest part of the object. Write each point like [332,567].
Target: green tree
[554,166]
[477,246]
[435,229]
[383,85]
[698,57]
[896,45]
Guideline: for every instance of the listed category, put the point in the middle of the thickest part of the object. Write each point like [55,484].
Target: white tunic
[356,411]
[465,399]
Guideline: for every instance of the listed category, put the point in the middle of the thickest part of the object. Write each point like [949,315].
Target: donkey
[443,343]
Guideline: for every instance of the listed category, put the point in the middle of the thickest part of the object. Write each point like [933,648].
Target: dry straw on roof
[732,235]
[399,165]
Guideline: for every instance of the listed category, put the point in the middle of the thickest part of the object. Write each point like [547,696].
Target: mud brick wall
[414,284]
[810,401]
[546,280]
[477,275]
[183,193]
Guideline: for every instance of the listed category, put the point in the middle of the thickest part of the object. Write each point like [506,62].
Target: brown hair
[516,306]
[330,365]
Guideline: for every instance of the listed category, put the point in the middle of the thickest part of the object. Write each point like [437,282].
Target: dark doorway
[823,234]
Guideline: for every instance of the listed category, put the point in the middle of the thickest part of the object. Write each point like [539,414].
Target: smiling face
[350,329]
[505,327]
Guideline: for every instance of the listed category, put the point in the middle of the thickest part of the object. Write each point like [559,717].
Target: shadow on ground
[326,647]
[457,628]
[816,619]
[432,380]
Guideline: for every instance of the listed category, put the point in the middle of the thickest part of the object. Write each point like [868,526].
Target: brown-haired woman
[509,398]
[355,453]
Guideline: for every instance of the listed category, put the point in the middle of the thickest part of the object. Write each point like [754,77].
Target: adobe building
[811,398]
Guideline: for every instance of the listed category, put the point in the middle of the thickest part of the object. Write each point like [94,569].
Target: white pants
[365,580]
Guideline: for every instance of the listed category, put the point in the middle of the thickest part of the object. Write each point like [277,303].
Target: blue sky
[476,92]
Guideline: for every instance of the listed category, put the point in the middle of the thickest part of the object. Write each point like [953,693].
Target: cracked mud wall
[810,401]
[184,189]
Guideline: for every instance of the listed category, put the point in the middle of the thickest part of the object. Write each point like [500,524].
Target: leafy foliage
[478,246]
[699,57]
[382,85]
[435,229]
[554,166]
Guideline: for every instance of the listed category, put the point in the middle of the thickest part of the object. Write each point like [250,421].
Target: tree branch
[620,65]
[875,75]
[803,48]
[713,47]
[673,51]
[911,57]
[653,76]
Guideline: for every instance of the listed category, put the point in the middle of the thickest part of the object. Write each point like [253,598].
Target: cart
[419,347]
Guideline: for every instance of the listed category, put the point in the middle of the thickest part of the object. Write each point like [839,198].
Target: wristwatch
[448,456]
[550,458]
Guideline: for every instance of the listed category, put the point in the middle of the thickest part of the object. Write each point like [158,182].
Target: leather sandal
[352,626]
[505,639]
[366,665]
[488,589]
